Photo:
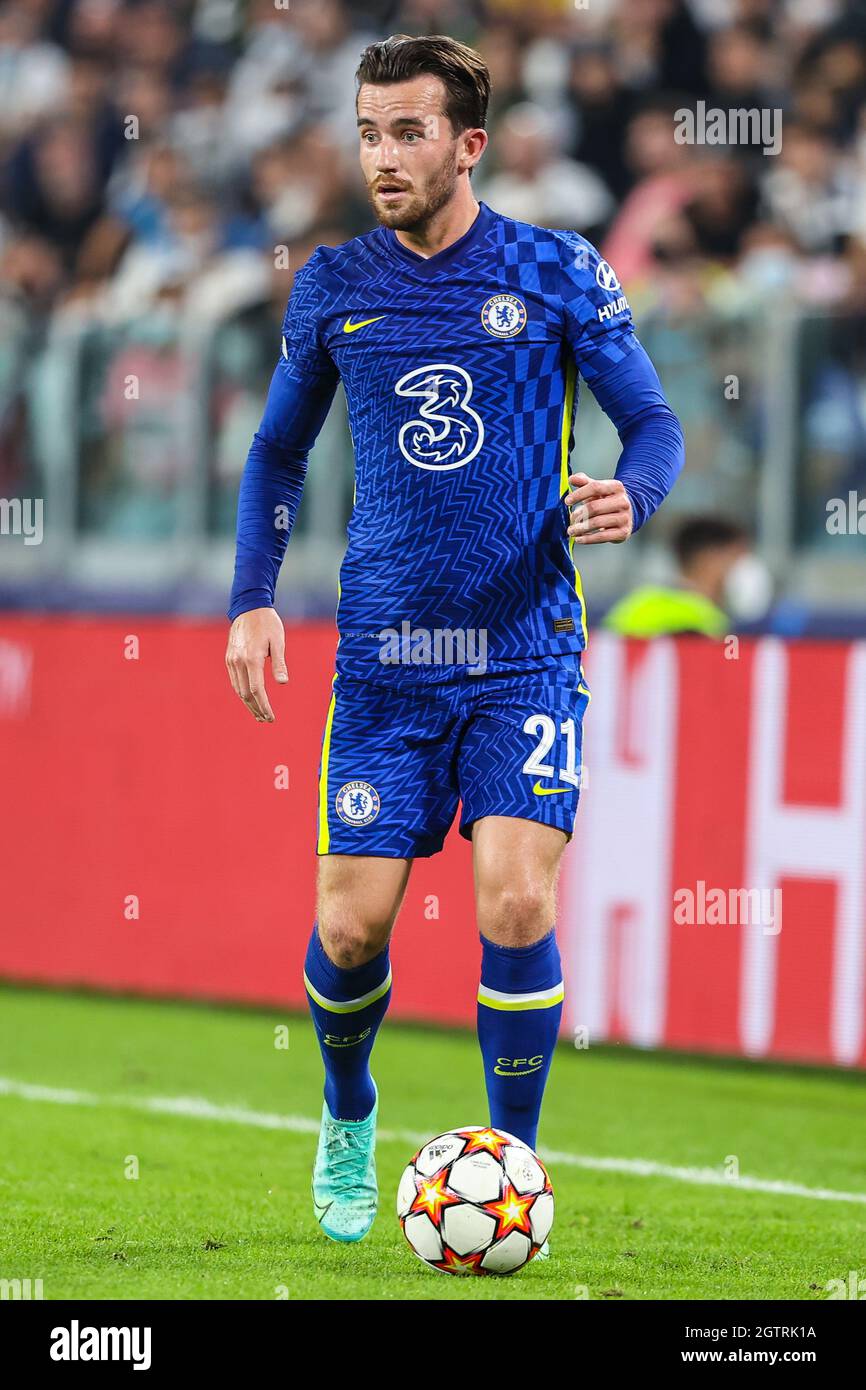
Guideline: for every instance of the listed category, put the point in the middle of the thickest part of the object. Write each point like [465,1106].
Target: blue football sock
[519,1009]
[347,1007]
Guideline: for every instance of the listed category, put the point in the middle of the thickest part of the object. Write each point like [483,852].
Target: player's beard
[419,208]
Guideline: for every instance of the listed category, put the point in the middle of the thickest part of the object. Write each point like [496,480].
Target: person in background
[717,579]
[536,182]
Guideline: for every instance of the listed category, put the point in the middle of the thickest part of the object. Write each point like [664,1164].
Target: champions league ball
[475,1201]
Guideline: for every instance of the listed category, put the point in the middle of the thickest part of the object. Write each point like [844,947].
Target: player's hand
[602,510]
[252,637]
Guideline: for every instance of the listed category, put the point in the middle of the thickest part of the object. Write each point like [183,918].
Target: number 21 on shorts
[543,728]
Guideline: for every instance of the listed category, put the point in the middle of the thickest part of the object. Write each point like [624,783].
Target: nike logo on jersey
[350,327]
[549,791]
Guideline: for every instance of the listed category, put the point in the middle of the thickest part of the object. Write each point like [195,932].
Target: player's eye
[411,136]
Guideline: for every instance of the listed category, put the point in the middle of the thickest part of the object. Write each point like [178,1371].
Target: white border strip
[196,1108]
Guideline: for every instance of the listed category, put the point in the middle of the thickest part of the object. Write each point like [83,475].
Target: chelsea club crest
[357,803]
[504,315]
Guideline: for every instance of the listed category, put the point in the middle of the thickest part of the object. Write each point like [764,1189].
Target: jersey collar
[431,265]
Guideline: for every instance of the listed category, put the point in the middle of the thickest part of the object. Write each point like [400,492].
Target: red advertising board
[155,838]
[714,894]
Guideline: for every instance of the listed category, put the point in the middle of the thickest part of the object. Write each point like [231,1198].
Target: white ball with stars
[475,1201]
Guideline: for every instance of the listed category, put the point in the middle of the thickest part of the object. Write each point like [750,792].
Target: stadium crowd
[157,156]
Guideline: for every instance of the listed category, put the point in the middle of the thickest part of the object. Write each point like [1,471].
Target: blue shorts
[397,757]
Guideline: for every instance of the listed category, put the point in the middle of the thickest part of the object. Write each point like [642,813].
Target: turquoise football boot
[345,1192]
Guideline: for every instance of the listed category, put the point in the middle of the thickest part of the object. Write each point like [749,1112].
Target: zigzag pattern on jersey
[451,558]
[481,545]
[380,581]
[474,570]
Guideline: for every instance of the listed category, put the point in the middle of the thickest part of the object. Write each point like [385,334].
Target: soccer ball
[475,1201]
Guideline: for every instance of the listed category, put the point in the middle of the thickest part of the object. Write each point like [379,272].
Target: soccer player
[458,335]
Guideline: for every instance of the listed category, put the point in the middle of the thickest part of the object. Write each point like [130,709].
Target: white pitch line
[704,1177]
[197,1108]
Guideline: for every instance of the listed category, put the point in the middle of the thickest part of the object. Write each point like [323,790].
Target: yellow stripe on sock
[348,1006]
[521,1002]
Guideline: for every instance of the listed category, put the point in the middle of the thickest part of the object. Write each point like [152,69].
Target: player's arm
[301,391]
[624,382]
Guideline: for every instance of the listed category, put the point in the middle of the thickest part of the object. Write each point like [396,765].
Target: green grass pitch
[220,1207]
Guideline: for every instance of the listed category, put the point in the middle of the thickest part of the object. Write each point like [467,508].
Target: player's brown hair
[463,72]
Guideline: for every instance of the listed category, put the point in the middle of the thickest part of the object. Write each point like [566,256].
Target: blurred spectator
[33,72]
[535,183]
[769,261]
[139,195]
[30,275]
[202,129]
[715,572]
[152,35]
[267,91]
[832,430]
[55,186]
[811,189]
[499,46]
[132,481]
[721,207]
[659,45]
[662,189]
[742,69]
[602,106]
[191,256]
[146,99]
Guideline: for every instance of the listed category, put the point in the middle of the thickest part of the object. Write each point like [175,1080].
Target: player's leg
[519,774]
[520,996]
[347,971]
[348,980]
[385,797]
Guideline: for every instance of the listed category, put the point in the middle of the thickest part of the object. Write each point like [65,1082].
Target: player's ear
[474,143]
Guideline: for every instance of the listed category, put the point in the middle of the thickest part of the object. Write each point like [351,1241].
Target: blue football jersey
[460,373]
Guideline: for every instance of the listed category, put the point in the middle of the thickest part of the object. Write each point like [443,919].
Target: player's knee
[348,940]
[515,914]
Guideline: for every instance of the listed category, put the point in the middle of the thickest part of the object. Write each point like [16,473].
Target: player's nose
[387,157]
